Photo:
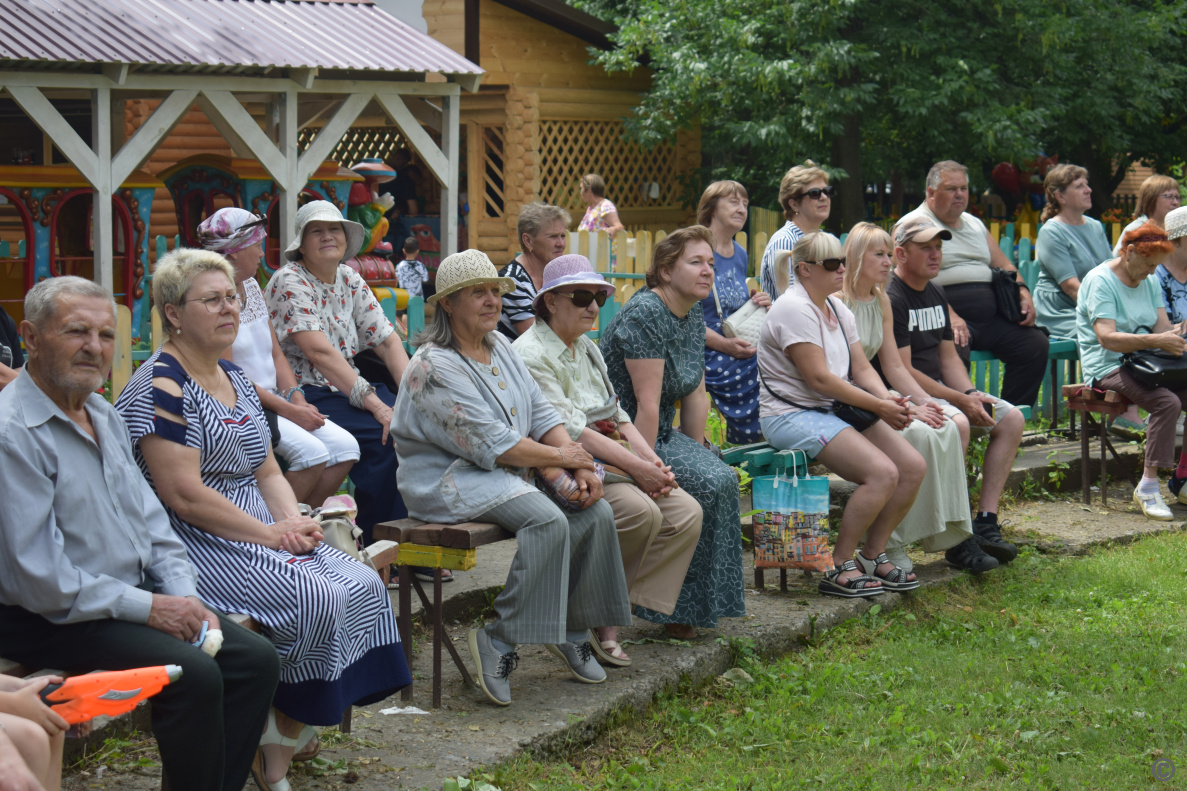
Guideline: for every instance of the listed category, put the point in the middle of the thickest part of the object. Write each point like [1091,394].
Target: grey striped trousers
[566,575]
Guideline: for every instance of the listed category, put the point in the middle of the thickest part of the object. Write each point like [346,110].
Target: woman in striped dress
[199,436]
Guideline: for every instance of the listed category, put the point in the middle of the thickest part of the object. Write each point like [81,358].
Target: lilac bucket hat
[570,270]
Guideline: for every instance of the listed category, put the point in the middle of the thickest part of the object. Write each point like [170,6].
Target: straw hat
[1176,223]
[465,269]
[327,212]
[570,270]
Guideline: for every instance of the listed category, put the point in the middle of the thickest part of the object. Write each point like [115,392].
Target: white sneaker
[899,557]
[1152,505]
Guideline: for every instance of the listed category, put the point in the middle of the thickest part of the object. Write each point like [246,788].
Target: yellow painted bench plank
[437,557]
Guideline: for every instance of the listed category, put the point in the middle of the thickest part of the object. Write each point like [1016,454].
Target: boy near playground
[411,272]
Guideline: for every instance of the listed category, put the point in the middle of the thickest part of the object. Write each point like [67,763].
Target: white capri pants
[302,449]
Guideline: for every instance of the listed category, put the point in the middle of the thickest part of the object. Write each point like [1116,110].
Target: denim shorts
[805,429]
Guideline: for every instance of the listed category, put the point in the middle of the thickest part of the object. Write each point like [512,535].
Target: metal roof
[218,35]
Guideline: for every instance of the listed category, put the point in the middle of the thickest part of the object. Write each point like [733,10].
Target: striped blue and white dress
[328,615]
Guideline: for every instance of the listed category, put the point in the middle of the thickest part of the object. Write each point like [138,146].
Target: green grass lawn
[1052,673]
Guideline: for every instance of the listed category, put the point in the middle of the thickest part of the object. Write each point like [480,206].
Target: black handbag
[1157,368]
[860,419]
[1007,293]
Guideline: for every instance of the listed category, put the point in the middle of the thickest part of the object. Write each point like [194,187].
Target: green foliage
[889,88]
[1048,674]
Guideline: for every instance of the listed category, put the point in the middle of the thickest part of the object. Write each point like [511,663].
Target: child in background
[411,273]
[31,733]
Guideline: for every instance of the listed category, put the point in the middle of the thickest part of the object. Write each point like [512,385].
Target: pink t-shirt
[794,319]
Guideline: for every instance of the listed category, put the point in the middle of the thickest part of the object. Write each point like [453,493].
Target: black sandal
[852,588]
[895,580]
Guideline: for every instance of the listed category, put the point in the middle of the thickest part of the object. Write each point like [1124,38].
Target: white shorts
[302,449]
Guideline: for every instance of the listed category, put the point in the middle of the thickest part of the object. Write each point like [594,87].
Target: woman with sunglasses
[806,198]
[199,436]
[318,452]
[730,366]
[658,522]
[810,358]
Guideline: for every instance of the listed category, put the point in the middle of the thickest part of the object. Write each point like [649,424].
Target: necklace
[185,361]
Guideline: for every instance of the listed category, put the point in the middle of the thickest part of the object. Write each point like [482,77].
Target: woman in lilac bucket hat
[658,523]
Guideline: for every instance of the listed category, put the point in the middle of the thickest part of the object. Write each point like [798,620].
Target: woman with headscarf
[319,453]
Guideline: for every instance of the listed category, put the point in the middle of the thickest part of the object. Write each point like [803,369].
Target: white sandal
[609,652]
[272,735]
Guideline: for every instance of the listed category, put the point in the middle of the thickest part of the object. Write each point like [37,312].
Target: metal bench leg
[1105,446]
[1085,476]
[429,610]
[783,580]
[347,717]
[406,624]
[759,582]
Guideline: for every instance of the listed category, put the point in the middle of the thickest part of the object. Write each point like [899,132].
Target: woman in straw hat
[475,423]
[658,522]
[325,315]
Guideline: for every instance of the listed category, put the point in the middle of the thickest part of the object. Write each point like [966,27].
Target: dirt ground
[553,712]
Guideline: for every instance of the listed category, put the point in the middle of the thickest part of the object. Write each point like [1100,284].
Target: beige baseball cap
[918,229]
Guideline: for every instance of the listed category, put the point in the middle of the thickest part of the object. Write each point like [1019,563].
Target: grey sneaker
[899,557]
[494,669]
[580,661]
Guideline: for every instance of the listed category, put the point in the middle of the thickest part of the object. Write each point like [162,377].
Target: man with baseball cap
[1172,276]
[966,275]
[923,335]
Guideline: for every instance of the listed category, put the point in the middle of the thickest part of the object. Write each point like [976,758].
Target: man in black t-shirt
[923,335]
[11,356]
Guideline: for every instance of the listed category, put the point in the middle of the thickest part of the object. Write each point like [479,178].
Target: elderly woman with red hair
[1120,310]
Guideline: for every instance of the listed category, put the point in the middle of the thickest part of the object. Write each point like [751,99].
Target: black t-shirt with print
[921,322]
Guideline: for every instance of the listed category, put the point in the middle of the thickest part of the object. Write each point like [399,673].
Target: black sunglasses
[582,299]
[829,264]
[816,192]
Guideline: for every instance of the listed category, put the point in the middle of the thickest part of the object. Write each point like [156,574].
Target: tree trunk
[849,206]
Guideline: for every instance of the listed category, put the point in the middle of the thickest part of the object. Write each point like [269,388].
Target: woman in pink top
[600,214]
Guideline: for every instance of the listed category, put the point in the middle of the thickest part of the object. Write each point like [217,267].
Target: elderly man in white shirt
[91,574]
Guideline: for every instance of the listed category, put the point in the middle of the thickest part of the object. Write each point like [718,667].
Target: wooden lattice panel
[358,142]
[493,144]
[570,149]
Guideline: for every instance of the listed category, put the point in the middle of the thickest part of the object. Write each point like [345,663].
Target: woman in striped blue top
[200,438]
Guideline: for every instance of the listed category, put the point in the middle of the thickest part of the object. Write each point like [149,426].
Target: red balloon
[1005,178]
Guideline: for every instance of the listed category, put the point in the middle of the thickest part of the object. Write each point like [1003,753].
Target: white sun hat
[325,211]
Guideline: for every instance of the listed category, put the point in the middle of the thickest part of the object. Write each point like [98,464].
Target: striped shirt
[782,239]
[517,306]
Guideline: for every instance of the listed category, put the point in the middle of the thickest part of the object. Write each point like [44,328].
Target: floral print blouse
[595,216]
[345,311]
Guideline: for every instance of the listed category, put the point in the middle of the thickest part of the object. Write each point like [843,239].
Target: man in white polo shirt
[966,276]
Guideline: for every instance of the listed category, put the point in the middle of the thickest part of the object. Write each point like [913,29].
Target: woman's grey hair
[41,302]
[176,272]
[936,174]
[439,331]
[534,216]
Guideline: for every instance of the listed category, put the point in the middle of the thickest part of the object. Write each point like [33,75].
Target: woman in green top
[1069,246]
[1120,310]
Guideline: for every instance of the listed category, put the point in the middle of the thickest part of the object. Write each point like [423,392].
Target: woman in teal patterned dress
[654,352]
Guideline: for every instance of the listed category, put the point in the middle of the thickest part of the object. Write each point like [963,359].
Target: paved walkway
[552,712]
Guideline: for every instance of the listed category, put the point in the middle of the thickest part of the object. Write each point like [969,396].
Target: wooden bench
[437,547]
[1084,399]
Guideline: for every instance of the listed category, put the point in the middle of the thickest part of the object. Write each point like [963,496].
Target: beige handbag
[339,531]
[745,323]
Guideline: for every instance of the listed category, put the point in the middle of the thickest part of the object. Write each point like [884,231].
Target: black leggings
[1022,349]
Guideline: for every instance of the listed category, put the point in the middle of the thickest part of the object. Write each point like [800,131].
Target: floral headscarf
[230,230]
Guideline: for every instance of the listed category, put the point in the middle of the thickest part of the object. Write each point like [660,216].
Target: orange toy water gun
[82,698]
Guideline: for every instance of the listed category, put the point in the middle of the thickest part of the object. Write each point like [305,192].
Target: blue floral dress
[646,330]
[732,381]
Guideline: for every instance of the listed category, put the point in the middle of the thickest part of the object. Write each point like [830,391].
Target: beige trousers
[657,539]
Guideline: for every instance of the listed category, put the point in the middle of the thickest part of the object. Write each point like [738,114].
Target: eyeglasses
[215,303]
[583,299]
[816,192]
[1170,196]
[829,264]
